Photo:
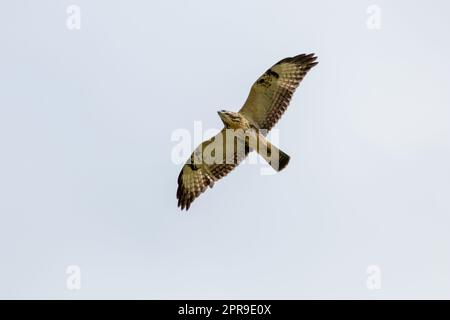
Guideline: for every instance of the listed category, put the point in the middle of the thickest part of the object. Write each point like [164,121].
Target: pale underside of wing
[211,161]
[268,99]
[270,95]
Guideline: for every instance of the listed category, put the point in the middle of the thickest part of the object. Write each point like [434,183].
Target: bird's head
[230,119]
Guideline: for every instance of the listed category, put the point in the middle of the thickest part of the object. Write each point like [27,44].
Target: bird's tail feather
[277,159]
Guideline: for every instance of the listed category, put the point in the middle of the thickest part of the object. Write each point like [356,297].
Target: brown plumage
[199,174]
[268,99]
[266,104]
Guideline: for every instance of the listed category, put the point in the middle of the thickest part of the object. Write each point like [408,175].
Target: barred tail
[277,159]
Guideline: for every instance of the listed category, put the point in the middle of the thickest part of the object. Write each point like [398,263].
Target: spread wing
[270,95]
[211,161]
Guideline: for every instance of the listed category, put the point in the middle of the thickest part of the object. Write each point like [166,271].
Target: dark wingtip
[184,199]
[308,60]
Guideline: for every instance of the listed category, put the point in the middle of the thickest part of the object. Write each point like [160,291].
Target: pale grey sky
[86,176]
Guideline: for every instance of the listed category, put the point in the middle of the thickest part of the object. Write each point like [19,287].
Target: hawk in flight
[245,131]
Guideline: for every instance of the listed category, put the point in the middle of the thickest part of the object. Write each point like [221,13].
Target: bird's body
[245,131]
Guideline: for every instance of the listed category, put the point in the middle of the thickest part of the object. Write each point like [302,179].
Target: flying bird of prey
[268,99]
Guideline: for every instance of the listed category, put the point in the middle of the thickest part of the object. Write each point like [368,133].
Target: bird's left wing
[270,95]
[211,161]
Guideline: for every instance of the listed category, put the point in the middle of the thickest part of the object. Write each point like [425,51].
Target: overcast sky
[87,179]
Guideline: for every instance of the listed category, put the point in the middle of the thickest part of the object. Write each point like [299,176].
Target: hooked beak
[221,114]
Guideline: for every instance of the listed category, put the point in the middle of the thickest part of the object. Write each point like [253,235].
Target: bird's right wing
[211,161]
